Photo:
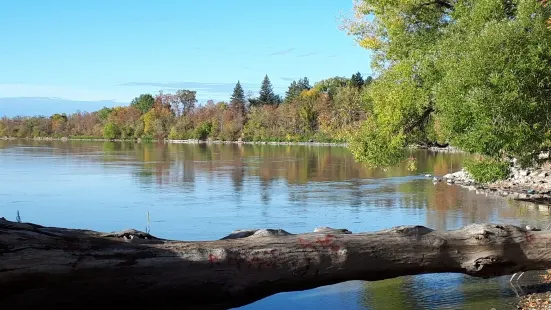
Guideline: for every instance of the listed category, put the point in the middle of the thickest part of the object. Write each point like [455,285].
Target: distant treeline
[330,110]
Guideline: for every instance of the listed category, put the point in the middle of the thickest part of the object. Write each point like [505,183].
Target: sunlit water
[203,192]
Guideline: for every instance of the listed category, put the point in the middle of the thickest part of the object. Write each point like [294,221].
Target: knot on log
[411,230]
[131,234]
[239,234]
[489,266]
[329,230]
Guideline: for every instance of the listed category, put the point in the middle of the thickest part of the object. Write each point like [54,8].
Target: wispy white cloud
[282,52]
[308,54]
[287,79]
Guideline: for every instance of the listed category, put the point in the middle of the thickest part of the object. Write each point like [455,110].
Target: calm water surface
[203,192]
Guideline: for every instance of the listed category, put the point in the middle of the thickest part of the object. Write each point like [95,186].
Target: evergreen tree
[266,94]
[357,80]
[296,88]
[238,98]
[304,84]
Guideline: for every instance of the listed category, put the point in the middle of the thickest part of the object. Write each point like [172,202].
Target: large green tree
[143,102]
[297,87]
[266,93]
[238,100]
[472,73]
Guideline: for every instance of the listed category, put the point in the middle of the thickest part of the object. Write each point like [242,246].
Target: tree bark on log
[67,268]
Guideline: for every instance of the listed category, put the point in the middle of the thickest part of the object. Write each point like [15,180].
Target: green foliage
[472,73]
[111,131]
[238,96]
[357,80]
[203,131]
[487,169]
[331,85]
[144,103]
[104,113]
[266,94]
[296,88]
[377,147]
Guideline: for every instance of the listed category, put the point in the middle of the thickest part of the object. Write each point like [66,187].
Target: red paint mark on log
[326,243]
[212,259]
[305,244]
[530,237]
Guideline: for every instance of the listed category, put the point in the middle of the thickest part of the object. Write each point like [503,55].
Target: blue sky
[82,54]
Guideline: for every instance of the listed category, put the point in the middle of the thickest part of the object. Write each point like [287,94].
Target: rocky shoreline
[531,185]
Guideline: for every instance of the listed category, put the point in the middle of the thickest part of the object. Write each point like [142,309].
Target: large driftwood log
[41,266]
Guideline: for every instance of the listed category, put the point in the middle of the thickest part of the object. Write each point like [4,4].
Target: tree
[103,113]
[111,131]
[471,73]
[266,94]
[77,266]
[357,80]
[144,102]
[188,99]
[295,88]
[238,100]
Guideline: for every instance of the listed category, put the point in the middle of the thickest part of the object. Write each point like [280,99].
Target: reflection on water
[202,192]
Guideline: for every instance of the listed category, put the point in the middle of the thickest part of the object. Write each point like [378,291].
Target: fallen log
[67,268]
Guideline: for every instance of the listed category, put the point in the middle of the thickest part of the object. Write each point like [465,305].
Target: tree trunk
[67,268]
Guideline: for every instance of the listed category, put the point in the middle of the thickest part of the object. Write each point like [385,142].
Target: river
[203,192]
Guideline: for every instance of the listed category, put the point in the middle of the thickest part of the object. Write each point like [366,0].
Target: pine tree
[238,100]
[304,84]
[296,88]
[357,80]
[266,94]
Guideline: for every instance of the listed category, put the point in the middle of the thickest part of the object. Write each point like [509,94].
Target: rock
[428,175]
[543,174]
[329,230]
[524,173]
[472,188]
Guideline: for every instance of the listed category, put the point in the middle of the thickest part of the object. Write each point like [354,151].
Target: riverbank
[189,141]
[537,296]
[447,149]
[531,185]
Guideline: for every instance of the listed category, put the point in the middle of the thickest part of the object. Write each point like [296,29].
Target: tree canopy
[471,73]
[297,87]
[143,103]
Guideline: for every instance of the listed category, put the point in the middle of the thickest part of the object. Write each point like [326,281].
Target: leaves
[473,73]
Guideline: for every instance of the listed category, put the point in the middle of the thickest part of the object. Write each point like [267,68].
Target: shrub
[111,131]
[203,131]
[487,169]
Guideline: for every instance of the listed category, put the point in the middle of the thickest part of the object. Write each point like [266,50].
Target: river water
[203,192]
